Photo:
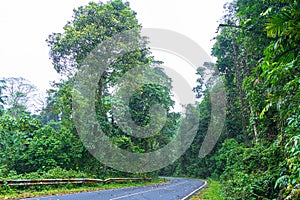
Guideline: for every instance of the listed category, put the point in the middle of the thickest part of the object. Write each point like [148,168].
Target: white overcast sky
[25,25]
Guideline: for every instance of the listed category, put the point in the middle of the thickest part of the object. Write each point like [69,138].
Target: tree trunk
[240,90]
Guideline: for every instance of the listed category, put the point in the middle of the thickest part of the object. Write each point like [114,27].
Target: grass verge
[35,191]
[211,192]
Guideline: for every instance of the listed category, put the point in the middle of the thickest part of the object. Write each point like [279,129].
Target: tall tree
[96,24]
[20,93]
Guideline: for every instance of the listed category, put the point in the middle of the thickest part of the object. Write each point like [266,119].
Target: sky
[25,25]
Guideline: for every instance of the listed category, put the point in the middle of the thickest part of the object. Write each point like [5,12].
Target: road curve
[177,188]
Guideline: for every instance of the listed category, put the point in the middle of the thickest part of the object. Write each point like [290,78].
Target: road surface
[177,188]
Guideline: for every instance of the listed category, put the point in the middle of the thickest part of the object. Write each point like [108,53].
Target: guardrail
[70,181]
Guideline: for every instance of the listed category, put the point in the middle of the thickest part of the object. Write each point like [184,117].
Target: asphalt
[177,188]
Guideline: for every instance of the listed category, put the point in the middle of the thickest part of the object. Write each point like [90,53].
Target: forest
[257,56]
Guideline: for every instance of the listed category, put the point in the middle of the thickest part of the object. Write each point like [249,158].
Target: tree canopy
[257,57]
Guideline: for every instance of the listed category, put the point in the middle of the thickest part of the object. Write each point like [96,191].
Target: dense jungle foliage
[257,51]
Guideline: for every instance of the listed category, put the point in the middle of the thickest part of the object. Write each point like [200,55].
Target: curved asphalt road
[178,188]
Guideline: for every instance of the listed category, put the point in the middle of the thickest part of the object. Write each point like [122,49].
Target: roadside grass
[211,192]
[35,191]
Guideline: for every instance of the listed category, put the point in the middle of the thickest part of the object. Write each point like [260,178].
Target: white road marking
[191,194]
[146,191]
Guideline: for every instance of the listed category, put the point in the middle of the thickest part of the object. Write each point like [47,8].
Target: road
[177,188]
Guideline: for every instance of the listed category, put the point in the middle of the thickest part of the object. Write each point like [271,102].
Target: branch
[227,25]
